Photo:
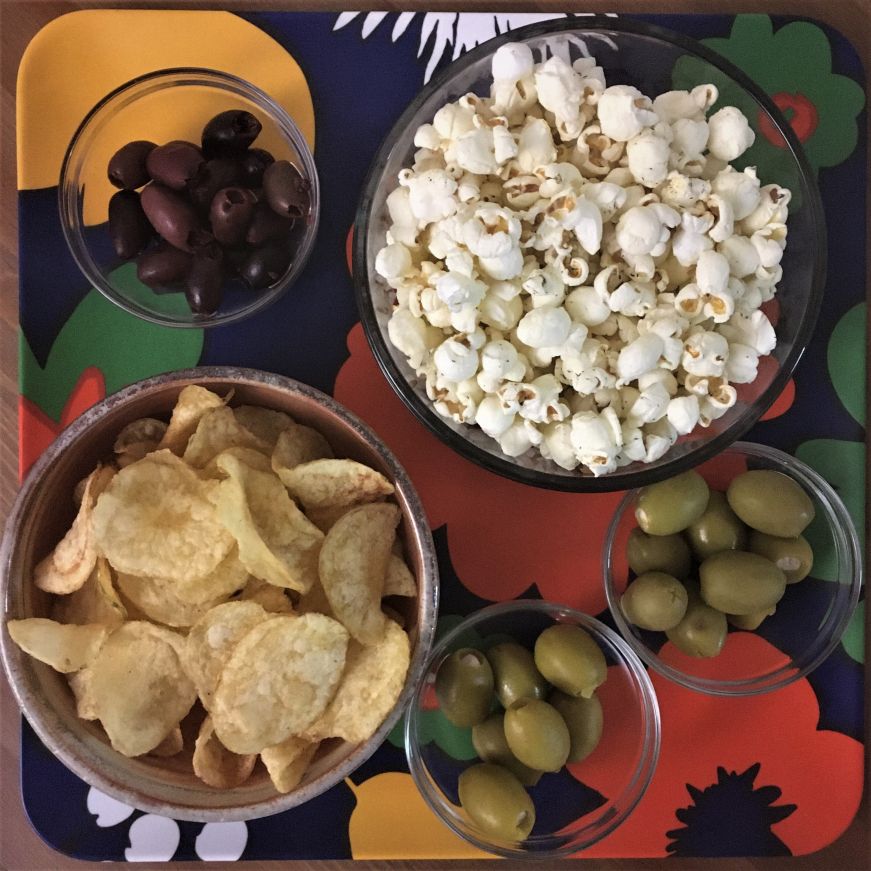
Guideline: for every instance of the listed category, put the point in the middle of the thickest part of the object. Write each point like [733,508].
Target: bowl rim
[504,466]
[427,602]
[841,611]
[651,739]
[72,230]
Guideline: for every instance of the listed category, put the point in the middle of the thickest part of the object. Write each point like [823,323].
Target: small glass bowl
[624,762]
[809,620]
[162,106]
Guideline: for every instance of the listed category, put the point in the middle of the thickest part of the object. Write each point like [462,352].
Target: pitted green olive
[496,800]
[584,720]
[515,675]
[717,529]
[537,734]
[749,622]
[702,632]
[736,582]
[658,553]
[771,502]
[488,739]
[655,601]
[671,506]
[793,556]
[569,658]
[464,687]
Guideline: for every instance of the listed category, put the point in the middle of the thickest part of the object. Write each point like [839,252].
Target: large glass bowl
[636,53]
[607,785]
[159,107]
[809,620]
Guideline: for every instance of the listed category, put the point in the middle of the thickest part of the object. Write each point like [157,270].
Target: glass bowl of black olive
[189,198]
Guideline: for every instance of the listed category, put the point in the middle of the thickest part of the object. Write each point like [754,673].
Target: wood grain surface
[20,848]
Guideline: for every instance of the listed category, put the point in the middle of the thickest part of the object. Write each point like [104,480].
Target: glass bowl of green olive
[736,578]
[535,730]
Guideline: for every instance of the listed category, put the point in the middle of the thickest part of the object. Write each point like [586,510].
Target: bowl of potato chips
[220,592]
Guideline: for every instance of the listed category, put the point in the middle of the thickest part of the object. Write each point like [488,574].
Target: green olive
[702,632]
[515,674]
[771,502]
[537,735]
[671,506]
[750,622]
[584,720]
[568,657]
[717,529]
[658,553]
[488,739]
[464,687]
[793,556]
[655,601]
[736,582]
[496,800]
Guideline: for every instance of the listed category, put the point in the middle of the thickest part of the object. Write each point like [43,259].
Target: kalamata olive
[229,133]
[488,739]
[267,226]
[584,720]
[464,687]
[793,556]
[128,225]
[171,215]
[703,630]
[749,622]
[514,674]
[537,734]
[252,165]
[658,553]
[672,505]
[717,529]
[212,175]
[655,601]
[736,582]
[230,214]
[286,191]
[264,266]
[127,165]
[174,164]
[205,279]
[496,800]
[162,266]
[771,502]
[570,659]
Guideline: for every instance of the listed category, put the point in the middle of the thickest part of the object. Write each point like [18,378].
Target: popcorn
[705,353]
[544,327]
[393,261]
[624,112]
[458,291]
[492,418]
[729,134]
[638,357]
[683,413]
[739,189]
[455,361]
[639,230]
[648,158]
[430,195]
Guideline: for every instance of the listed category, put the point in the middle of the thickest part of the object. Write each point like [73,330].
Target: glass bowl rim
[206,76]
[847,547]
[648,707]
[504,466]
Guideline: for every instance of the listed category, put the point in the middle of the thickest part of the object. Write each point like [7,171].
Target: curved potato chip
[172,744]
[276,541]
[370,685]
[268,596]
[156,519]
[278,680]
[327,483]
[158,600]
[94,602]
[192,403]
[81,685]
[287,762]
[212,639]
[299,444]
[138,438]
[353,565]
[399,581]
[218,430]
[228,577]
[265,423]
[250,457]
[217,766]
[64,648]
[140,691]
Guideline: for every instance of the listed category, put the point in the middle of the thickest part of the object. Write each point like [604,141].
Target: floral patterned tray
[737,792]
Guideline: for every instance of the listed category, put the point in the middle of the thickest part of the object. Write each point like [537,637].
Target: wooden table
[20,848]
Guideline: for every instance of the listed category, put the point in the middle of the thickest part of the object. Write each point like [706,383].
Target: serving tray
[771,775]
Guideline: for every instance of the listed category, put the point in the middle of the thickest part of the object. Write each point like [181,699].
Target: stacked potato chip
[227,557]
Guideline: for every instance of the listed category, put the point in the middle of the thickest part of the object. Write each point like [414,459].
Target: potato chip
[370,685]
[250,457]
[64,648]
[326,483]
[228,577]
[353,565]
[70,564]
[264,423]
[276,541]
[268,596]
[171,745]
[217,766]
[156,519]
[325,518]
[192,403]
[278,680]
[315,601]
[287,762]
[80,683]
[218,430]
[138,438]
[94,602]
[299,444]
[158,600]
[140,691]
[398,581]
[212,639]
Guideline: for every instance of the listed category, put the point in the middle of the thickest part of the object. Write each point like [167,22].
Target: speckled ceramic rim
[47,722]
[845,595]
[593,827]
[620,480]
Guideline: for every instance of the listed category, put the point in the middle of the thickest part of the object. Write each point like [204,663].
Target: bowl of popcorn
[220,593]
[568,265]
